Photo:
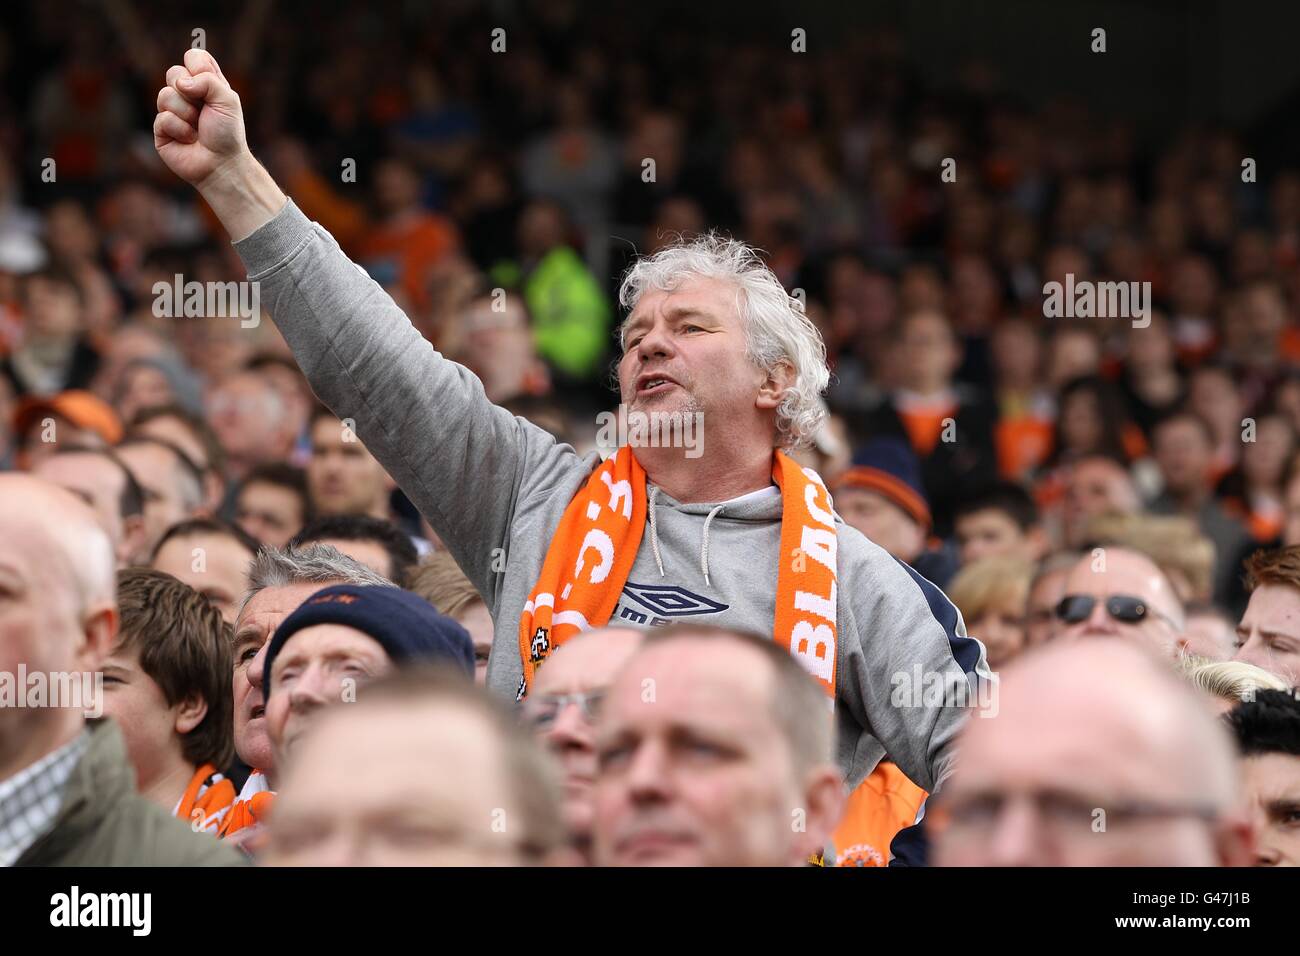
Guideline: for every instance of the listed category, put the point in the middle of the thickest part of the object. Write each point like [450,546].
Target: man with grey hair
[278,581]
[699,517]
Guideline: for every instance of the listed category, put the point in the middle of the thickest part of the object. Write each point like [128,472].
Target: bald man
[561,711]
[1115,592]
[1099,756]
[67,792]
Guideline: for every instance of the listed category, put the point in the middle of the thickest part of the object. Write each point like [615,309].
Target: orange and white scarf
[251,808]
[206,800]
[596,543]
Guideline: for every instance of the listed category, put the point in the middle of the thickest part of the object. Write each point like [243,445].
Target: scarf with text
[596,543]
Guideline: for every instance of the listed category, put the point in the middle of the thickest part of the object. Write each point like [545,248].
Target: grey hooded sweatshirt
[494,487]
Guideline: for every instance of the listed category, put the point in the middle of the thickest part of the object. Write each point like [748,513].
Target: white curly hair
[777,330]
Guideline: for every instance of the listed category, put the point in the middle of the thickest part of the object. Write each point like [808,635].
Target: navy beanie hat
[889,467]
[405,625]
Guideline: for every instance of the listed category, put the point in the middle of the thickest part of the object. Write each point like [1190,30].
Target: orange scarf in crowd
[206,800]
[251,807]
[595,546]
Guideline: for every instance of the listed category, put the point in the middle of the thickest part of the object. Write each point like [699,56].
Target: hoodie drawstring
[654,530]
[704,549]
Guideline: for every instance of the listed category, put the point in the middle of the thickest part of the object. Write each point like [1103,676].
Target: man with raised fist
[731,532]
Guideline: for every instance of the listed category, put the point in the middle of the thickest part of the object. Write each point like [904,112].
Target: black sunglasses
[1124,608]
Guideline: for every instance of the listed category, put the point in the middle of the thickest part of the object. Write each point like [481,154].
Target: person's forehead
[1121,573]
[587,663]
[715,298]
[442,758]
[265,491]
[82,471]
[1274,603]
[278,602]
[149,455]
[709,680]
[220,550]
[326,428]
[986,518]
[1272,777]
[1096,473]
[1075,736]
[176,431]
[325,640]
[857,495]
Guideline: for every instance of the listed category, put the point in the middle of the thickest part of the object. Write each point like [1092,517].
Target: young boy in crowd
[167,684]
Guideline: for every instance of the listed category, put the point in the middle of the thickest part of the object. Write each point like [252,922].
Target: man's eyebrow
[675,313]
[1268,633]
[1280,806]
[634,323]
[247,633]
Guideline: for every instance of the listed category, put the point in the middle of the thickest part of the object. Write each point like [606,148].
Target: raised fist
[199,129]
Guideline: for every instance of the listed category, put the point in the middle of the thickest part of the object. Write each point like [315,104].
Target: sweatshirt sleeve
[915,675]
[463,461]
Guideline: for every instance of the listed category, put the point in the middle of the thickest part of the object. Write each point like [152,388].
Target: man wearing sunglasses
[1115,592]
[1099,756]
[561,712]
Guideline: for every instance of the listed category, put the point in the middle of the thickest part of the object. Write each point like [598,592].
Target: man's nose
[1099,620]
[647,774]
[256,668]
[570,729]
[655,342]
[1251,653]
[1016,839]
[312,689]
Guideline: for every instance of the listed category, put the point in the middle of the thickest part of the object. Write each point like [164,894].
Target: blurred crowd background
[452,171]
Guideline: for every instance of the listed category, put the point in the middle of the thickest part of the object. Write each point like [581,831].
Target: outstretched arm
[463,461]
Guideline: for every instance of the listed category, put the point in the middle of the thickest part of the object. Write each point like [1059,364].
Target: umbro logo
[666,601]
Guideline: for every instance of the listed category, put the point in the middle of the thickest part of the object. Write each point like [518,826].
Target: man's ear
[778,381]
[190,713]
[99,634]
[824,799]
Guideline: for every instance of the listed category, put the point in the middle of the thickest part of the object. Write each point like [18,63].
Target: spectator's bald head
[61,537]
[1117,592]
[1098,755]
[59,616]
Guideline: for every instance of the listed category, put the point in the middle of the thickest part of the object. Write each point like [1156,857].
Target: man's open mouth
[648,385]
